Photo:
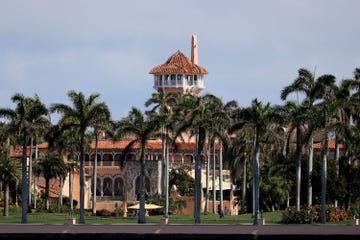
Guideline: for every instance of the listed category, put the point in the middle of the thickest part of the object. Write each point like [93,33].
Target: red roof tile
[178,63]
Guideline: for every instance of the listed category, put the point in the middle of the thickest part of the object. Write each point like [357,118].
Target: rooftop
[178,63]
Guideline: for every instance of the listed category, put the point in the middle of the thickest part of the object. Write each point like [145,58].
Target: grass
[43,217]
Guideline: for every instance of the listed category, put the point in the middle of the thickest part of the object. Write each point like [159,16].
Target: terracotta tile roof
[155,145]
[109,144]
[178,63]
[151,144]
[331,145]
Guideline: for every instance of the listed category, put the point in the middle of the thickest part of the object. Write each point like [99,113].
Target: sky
[251,49]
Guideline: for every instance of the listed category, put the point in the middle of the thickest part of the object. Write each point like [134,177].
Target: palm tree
[141,129]
[303,84]
[323,121]
[101,126]
[10,169]
[195,116]
[264,122]
[238,152]
[223,118]
[50,166]
[163,110]
[28,115]
[84,114]
[65,142]
[296,115]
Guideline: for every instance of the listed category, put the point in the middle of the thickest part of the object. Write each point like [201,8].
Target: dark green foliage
[175,205]
[182,180]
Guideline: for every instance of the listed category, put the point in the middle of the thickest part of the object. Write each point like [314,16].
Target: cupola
[179,74]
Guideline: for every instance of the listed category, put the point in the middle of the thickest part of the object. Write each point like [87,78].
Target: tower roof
[178,63]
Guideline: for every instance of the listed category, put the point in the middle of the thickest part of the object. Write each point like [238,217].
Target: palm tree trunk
[95,175]
[47,189]
[298,167]
[30,169]
[166,190]
[337,156]
[35,179]
[256,182]
[207,177]
[197,180]
[324,179]
[214,180]
[310,170]
[6,200]
[61,186]
[141,218]
[71,187]
[221,181]
[163,164]
[243,193]
[82,185]
[24,181]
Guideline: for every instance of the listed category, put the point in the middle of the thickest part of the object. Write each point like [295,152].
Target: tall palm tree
[10,169]
[223,119]
[304,84]
[238,152]
[102,125]
[196,112]
[296,115]
[84,114]
[264,122]
[50,166]
[65,142]
[163,105]
[323,122]
[29,114]
[141,129]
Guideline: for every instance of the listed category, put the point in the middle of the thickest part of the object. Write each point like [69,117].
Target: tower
[179,74]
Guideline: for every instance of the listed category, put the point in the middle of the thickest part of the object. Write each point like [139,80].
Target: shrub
[306,215]
[312,214]
[336,215]
[104,213]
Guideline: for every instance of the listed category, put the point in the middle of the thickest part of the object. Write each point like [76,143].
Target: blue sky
[251,49]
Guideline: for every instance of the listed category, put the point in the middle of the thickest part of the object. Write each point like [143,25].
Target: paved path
[172,231]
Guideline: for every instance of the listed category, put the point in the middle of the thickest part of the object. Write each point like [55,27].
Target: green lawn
[58,218]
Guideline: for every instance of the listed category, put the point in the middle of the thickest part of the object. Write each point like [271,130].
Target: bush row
[312,214]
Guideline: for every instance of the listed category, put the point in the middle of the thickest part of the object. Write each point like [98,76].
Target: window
[173,81]
[179,79]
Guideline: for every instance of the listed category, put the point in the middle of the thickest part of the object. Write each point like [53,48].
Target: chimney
[194,50]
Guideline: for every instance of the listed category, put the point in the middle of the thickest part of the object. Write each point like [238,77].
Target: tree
[84,114]
[102,125]
[296,115]
[10,169]
[323,122]
[264,122]
[141,129]
[163,105]
[28,115]
[50,166]
[305,85]
[195,114]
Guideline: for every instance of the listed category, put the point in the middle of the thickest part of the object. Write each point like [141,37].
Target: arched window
[107,187]
[119,187]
